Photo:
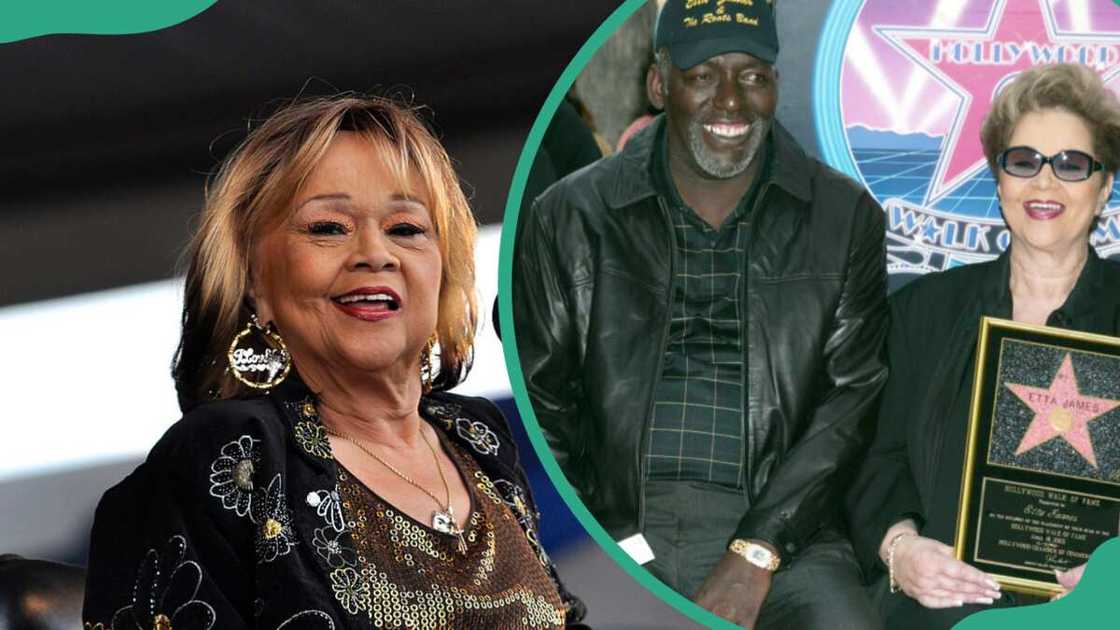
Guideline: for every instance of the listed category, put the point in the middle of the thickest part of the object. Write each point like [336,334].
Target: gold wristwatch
[755,554]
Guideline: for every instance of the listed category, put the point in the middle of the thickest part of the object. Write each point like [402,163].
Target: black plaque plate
[1041,483]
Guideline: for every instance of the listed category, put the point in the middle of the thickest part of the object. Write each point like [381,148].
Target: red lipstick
[1043,209]
[370,304]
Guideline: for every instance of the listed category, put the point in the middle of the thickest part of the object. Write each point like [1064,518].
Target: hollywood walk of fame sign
[1041,483]
[900,90]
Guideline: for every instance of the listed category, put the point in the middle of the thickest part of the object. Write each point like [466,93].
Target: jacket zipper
[746,445]
[643,438]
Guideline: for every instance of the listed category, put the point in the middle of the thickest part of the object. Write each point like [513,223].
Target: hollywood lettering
[1011,53]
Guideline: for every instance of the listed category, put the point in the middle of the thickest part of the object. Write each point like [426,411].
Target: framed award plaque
[1041,483]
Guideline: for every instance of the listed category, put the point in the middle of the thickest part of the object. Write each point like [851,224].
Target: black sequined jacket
[220,528]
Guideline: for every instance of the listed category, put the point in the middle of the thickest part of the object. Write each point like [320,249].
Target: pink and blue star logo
[901,90]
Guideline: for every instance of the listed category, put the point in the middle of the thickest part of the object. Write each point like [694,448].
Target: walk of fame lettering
[1061,410]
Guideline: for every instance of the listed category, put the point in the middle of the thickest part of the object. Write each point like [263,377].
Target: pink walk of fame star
[1061,411]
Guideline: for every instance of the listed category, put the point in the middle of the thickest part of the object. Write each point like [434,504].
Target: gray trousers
[688,526]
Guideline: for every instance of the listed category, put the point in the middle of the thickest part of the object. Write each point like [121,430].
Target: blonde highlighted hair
[254,188]
[1073,87]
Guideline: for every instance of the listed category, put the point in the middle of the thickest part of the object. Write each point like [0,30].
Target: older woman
[320,478]
[1052,139]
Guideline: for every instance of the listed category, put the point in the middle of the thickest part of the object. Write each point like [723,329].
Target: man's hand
[735,590]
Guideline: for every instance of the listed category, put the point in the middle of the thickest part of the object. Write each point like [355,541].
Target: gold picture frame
[1037,492]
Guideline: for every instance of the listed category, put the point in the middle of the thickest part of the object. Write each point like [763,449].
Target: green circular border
[513,363]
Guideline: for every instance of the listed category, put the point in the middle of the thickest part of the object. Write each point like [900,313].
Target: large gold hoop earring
[262,364]
[427,373]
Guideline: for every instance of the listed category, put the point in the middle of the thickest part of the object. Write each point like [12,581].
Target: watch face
[755,554]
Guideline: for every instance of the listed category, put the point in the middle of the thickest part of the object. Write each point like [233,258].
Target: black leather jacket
[591,303]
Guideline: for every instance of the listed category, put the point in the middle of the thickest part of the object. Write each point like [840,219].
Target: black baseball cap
[697,30]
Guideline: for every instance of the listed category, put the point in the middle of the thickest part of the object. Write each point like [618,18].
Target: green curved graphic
[1089,605]
[24,19]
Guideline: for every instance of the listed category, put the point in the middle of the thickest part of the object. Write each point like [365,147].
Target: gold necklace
[443,519]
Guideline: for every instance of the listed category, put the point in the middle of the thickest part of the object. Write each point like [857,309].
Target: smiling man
[700,321]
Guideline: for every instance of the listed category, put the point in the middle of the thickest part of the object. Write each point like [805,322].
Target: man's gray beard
[720,168]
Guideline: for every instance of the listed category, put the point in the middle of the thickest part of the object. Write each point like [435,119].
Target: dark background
[107,139]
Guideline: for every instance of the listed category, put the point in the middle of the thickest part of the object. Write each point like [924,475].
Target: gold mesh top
[408,575]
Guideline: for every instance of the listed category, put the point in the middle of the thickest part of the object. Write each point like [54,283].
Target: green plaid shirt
[696,433]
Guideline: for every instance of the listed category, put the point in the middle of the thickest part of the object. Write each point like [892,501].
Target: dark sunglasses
[1070,166]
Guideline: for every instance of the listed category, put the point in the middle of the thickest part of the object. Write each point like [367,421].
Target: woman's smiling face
[1043,212]
[351,278]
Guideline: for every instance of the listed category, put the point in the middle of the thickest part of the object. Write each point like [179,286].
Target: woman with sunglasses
[1052,140]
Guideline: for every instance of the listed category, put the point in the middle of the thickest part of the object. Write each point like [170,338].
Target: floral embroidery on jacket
[478,435]
[350,590]
[328,544]
[232,474]
[275,536]
[535,543]
[444,412]
[312,438]
[514,496]
[328,506]
[164,594]
[270,493]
